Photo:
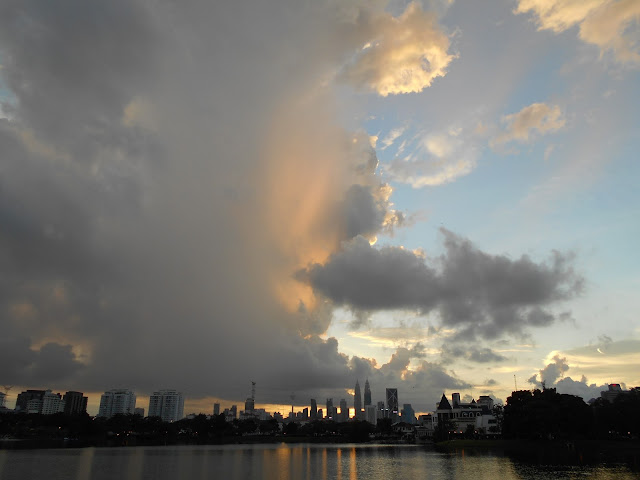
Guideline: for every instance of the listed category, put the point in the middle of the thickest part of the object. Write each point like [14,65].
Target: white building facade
[117,401]
[166,404]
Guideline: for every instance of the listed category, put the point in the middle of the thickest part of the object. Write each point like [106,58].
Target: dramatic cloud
[471,353]
[165,173]
[477,293]
[552,376]
[551,372]
[402,54]
[538,117]
[609,24]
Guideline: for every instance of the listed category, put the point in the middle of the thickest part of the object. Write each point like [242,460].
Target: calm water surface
[283,462]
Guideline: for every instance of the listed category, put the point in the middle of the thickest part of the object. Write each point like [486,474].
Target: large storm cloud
[166,169]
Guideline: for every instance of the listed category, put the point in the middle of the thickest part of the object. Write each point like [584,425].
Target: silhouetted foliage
[545,414]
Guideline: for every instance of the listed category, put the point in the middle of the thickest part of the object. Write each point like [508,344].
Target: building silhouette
[392,403]
[357,401]
[330,409]
[344,411]
[314,409]
[75,403]
[367,393]
[25,397]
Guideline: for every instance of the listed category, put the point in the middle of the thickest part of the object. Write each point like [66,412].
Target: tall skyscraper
[3,397]
[330,411]
[344,411]
[392,401]
[117,401]
[367,393]
[357,401]
[75,403]
[166,404]
[216,409]
[408,414]
[314,409]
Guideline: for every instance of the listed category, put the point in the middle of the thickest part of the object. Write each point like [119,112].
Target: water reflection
[283,462]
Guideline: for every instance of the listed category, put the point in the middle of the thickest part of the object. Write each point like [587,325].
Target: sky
[438,196]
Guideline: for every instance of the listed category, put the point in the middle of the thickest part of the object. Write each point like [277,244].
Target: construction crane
[253,391]
[292,397]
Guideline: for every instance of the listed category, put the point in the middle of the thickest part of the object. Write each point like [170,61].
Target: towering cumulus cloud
[166,171]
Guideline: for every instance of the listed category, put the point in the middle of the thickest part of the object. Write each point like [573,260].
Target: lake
[286,462]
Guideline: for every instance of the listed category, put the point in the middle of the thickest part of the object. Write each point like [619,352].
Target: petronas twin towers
[357,399]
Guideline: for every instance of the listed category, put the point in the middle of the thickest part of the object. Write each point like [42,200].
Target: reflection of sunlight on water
[324,464]
[283,462]
[353,472]
[84,464]
[136,465]
[271,462]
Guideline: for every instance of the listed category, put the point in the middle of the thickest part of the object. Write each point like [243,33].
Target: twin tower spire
[357,398]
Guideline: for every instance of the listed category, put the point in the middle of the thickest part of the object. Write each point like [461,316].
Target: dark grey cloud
[23,365]
[471,353]
[551,373]
[481,295]
[142,152]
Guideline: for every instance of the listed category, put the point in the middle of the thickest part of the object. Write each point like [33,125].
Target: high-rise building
[51,403]
[216,409]
[330,411]
[367,393]
[139,411]
[249,405]
[319,415]
[612,392]
[344,411]
[392,401]
[75,403]
[357,401]
[40,401]
[408,414]
[25,397]
[3,399]
[166,404]
[116,402]
[370,414]
[314,409]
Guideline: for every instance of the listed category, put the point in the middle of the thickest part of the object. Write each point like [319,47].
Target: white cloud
[439,158]
[404,54]
[538,117]
[391,137]
[608,24]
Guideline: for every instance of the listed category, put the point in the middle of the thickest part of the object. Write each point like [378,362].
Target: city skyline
[434,196]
